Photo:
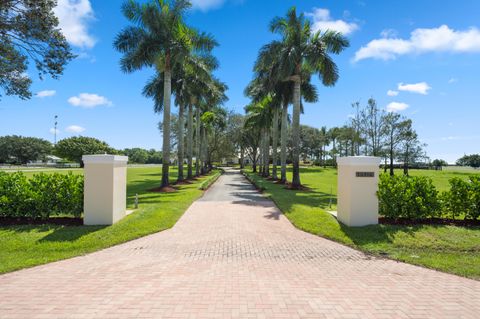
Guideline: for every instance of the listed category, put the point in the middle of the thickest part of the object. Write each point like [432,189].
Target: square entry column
[357,201]
[105,189]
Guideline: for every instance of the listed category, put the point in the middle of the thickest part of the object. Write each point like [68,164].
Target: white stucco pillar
[357,202]
[105,190]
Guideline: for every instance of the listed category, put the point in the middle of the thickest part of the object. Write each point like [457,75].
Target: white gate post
[105,189]
[357,202]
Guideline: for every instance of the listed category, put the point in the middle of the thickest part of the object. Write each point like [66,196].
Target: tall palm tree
[159,38]
[298,52]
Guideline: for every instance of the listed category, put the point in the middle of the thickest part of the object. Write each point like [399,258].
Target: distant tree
[136,155]
[439,163]
[21,150]
[29,32]
[411,150]
[74,148]
[469,160]
[372,123]
[154,157]
[396,127]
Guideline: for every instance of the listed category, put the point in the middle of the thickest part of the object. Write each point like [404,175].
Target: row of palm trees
[181,56]
[283,72]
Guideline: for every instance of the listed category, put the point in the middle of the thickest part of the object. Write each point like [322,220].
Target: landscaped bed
[447,248]
[30,245]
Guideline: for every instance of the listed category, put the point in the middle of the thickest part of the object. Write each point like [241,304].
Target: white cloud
[392,93]
[46,93]
[420,88]
[74,16]
[323,21]
[397,107]
[205,5]
[452,80]
[441,39]
[88,100]
[75,129]
[52,131]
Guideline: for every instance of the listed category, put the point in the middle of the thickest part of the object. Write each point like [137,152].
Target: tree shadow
[70,234]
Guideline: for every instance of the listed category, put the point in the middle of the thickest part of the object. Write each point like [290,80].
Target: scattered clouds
[88,100]
[46,93]
[452,80]
[74,17]
[420,88]
[392,93]
[205,5]
[441,39]
[75,129]
[397,107]
[389,33]
[323,21]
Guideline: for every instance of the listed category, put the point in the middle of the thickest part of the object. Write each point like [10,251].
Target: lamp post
[55,131]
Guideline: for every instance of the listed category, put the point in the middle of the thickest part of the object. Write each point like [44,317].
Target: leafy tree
[396,128]
[373,127]
[136,155]
[21,150]
[298,52]
[469,160]
[410,149]
[29,32]
[439,163]
[73,148]
[159,38]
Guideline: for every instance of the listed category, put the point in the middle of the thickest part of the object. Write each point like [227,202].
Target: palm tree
[159,38]
[260,115]
[298,52]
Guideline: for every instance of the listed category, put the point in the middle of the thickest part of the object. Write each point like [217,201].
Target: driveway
[234,255]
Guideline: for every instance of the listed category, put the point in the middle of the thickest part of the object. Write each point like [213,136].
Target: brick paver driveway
[233,255]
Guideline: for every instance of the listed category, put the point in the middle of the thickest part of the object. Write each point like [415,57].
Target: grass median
[30,245]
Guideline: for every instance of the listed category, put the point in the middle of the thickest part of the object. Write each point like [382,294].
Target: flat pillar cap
[359,160]
[104,159]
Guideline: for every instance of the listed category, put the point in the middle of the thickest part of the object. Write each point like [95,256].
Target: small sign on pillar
[105,189]
[357,202]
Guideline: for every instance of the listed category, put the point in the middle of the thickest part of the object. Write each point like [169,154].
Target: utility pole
[55,131]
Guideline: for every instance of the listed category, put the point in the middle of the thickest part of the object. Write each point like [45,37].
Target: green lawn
[26,246]
[447,248]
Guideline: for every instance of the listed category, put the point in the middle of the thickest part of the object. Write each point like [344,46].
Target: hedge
[41,196]
[417,198]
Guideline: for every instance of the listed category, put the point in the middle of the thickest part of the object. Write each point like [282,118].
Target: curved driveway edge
[234,255]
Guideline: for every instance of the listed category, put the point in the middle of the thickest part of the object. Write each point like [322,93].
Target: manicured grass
[26,246]
[447,248]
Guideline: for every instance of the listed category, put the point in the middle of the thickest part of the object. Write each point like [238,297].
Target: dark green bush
[41,196]
[463,198]
[407,197]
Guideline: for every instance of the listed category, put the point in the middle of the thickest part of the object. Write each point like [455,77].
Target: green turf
[25,246]
[447,248]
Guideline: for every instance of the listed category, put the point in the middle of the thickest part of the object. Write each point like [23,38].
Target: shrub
[407,197]
[463,198]
[41,196]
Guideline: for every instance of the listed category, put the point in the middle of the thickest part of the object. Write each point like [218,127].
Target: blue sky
[418,58]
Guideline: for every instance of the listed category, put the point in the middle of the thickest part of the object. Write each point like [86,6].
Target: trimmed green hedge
[41,196]
[417,198]
[210,180]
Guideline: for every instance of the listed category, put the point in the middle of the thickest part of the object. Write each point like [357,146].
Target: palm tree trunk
[274,144]
[296,132]
[167,93]
[203,151]
[267,151]
[283,143]
[261,148]
[242,157]
[198,142]
[181,138]
[190,141]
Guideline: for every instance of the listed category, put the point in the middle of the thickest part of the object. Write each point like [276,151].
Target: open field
[447,248]
[30,245]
